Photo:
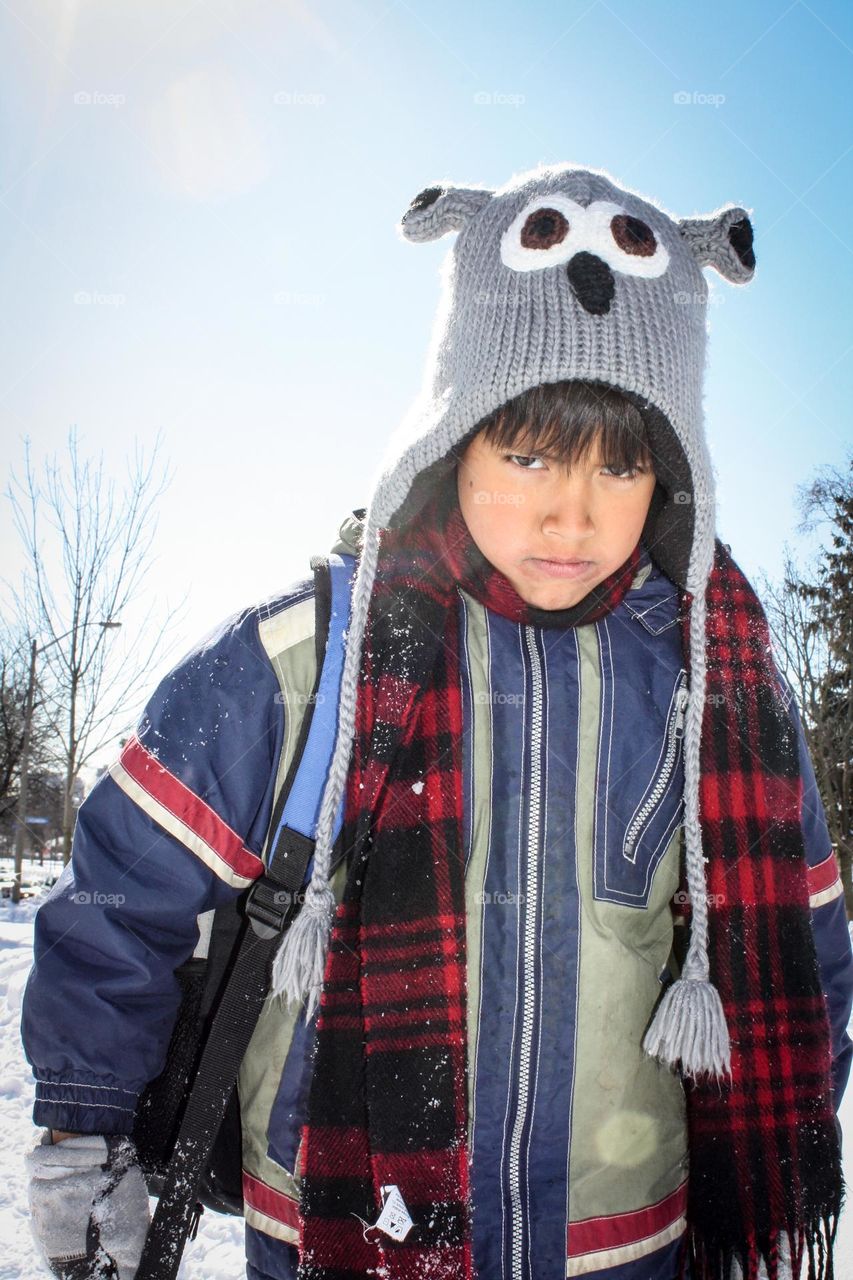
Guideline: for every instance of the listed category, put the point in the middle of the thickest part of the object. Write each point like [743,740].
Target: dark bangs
[565,419]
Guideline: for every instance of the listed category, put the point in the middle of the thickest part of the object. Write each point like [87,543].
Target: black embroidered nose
[592,283]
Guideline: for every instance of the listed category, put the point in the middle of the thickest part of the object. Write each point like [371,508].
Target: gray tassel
[689,1027]
[300,962]
[299,965]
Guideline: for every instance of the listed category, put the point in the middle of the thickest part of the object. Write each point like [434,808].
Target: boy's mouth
[561,568]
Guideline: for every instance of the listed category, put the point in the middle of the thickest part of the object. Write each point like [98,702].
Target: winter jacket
[573,784]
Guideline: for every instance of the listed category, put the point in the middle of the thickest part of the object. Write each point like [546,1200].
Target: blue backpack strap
[302,806]
[274,899]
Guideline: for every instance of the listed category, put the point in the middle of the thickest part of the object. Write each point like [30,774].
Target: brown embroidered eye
[544,228]
[633,236]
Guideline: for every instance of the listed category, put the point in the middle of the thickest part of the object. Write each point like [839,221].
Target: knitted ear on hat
[722,240]
[437,210]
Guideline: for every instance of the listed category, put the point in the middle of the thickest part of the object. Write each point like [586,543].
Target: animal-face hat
[560,274]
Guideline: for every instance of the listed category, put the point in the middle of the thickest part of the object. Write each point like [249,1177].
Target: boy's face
[530,515]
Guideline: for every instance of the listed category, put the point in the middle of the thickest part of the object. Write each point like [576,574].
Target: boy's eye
[522,459]
[622,473]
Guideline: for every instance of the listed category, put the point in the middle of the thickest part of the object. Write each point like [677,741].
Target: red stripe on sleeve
[188,808]
[823,875]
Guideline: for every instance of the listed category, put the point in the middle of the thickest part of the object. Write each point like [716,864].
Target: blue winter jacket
[572,782]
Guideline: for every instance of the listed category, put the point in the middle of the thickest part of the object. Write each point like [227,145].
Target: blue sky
[197,218]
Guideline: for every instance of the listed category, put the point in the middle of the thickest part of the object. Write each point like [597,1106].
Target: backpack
[187,1126]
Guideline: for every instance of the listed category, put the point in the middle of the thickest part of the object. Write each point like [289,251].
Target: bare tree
[13,693]
[98,554]
[810,615]
[13,698]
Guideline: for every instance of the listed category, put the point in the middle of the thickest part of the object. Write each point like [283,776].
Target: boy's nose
[592,282]
[570,520]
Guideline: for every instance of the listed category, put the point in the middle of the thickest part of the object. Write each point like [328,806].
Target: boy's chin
[552,596]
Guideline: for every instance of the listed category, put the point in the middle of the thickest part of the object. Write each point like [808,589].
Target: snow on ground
[217,1251]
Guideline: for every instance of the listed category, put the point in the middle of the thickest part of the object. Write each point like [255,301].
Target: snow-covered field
[217,1251]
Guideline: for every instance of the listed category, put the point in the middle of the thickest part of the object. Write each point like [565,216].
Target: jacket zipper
[674,732]
[529,961]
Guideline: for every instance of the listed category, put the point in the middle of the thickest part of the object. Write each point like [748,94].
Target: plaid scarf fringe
[779,1256]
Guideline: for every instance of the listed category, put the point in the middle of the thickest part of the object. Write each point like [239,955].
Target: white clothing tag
[394,1219]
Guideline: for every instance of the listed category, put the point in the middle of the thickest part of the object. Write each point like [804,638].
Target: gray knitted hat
[560,274]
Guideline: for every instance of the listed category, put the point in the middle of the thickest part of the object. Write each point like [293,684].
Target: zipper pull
[681,712]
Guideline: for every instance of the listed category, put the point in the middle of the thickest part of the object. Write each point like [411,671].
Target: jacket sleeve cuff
[82,1104]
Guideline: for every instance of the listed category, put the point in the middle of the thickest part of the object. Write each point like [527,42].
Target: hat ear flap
[437,210]
[724,241]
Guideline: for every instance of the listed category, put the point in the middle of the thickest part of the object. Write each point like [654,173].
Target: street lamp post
[25,753]
[25,776]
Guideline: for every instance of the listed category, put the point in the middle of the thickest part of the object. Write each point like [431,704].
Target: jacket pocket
[638,809]
[642,817]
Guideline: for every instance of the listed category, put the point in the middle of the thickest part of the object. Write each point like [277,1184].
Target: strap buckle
[272,902]
[270,907]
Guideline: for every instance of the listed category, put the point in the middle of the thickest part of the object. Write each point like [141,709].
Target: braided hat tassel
[689,1026]
[300,961]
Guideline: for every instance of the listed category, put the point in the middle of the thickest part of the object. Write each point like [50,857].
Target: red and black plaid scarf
[764,1149]
[388,1097]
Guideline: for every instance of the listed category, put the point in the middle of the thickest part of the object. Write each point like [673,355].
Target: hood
[350,534]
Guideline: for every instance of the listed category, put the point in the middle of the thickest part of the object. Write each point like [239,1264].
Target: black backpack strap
[271,904]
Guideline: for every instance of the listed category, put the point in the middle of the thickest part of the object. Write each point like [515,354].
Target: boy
[559,724]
